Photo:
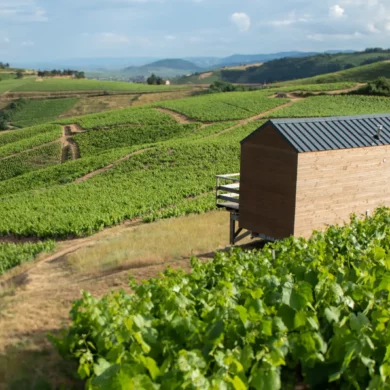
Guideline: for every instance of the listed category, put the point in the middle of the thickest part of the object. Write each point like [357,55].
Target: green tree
[19,75]
[155,80]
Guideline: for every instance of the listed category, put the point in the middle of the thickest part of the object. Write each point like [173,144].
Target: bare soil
[205,75]
[69,145]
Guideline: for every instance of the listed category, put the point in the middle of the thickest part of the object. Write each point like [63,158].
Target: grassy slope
[298,68]
[12,84]
[215,75]
[226,106]
[360,74]
[35,112]
[49,85]
[335,105]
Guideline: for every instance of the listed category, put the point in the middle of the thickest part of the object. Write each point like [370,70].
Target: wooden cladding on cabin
[268,184]
[334,184]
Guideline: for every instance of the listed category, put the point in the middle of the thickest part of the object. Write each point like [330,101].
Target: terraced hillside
[74,177]
[181,144]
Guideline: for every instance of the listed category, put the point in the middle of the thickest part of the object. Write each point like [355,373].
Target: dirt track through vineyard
[181,119]
[69,145]
[104,169]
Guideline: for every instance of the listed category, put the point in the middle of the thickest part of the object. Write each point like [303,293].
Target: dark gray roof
[331,133]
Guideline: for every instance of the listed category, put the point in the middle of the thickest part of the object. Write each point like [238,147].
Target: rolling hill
[361,74]
[163,68]
[297,68]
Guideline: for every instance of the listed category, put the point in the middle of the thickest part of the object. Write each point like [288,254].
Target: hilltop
[163,68]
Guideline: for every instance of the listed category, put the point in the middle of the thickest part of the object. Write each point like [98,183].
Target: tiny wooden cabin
[299,175]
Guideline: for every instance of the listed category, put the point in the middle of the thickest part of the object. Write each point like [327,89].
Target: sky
[41,30]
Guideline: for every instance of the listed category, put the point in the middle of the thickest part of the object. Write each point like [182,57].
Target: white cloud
[242,21]
[336,11]
[170,37]
[6,40]
[371,28]
[28,43]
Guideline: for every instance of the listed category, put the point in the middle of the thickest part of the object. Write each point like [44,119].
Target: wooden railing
[228,191]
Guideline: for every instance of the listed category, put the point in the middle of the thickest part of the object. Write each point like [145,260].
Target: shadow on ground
[23,367]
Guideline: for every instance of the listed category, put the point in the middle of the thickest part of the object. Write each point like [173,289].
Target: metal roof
[332,133]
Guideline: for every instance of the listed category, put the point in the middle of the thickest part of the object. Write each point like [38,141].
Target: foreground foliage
[314,312]
[12,255]
[379,87]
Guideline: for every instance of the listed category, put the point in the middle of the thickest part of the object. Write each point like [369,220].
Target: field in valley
[127,185]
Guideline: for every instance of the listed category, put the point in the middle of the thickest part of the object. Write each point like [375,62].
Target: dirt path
[340,91]
[182,119]
[69,145]
[104,169]
[37,301]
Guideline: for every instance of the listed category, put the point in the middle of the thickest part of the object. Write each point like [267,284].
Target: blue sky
[37,30]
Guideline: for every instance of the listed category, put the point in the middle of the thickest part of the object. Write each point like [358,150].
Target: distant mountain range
[143,66]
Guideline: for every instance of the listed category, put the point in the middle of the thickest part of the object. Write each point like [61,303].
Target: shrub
[313,312]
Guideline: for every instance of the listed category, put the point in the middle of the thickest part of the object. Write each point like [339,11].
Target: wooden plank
[335,184]
[234,188]
[228,198]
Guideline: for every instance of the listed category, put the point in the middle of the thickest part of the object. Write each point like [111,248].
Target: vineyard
[126,116]
[52,85]
[31,142]
[238,105]
[333,106]
[15,136]
[97,141]
[286,87]
[31,160]
[297,312]
[12,255]
[35,112]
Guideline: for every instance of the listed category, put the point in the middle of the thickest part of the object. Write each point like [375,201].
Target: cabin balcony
[228,192]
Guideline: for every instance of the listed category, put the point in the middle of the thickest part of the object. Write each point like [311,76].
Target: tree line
[155,80]
[58,72]
[4,65]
